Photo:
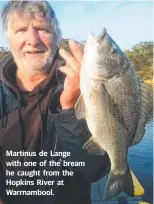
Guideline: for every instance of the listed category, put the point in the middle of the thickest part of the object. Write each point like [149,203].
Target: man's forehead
[21,18]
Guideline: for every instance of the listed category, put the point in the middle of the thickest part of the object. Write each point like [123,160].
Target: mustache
[34,50]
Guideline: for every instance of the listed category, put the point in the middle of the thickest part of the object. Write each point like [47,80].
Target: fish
[116,105]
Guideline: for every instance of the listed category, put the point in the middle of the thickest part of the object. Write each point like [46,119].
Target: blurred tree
[141,56]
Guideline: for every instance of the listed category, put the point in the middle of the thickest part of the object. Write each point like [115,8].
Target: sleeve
[73,134]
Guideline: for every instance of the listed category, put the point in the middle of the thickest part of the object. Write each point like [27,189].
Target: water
[140,159]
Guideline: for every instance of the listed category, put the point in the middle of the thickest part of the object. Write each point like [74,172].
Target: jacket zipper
[57,136]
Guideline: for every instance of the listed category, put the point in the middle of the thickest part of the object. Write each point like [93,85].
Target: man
[37,98]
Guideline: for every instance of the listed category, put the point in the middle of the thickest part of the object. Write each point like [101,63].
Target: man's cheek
[17,53]
[20,46]
[47,40]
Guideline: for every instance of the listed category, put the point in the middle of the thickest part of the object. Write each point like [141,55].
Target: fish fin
[93,148]
[146,111]
[80,109]
[118,183]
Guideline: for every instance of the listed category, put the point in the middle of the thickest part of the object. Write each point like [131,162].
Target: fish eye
[114,51]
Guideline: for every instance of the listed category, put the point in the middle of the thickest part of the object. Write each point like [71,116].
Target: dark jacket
[33,122]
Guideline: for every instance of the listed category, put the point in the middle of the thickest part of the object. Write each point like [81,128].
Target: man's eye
[20,30]
[42,30]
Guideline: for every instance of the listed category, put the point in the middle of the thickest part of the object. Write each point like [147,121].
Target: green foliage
[141,56]
[3,53]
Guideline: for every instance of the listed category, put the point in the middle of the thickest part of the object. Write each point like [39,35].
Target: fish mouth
[102,35]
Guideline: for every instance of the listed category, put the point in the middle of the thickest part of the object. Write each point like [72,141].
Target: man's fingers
[70,60]
[76,50]
[67,70]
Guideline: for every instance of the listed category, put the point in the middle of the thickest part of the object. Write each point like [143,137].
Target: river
[140,159]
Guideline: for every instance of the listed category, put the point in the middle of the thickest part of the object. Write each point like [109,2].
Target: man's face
[32,42]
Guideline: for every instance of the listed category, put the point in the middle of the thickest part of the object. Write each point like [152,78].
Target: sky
[127,22]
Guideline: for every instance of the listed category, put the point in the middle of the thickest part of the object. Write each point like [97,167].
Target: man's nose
[33,37]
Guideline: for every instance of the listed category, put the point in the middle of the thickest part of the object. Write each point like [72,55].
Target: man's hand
[1,202]
[72,70]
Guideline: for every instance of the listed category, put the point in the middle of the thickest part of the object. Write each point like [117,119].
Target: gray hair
[32,7]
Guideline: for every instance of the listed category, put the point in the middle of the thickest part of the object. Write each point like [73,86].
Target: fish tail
[118,183]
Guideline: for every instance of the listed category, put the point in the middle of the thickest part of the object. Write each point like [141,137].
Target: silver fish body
[111,96]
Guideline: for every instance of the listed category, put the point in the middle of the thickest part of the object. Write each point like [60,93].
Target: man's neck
[27,82]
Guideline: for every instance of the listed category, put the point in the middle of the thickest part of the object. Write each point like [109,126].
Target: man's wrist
[67,107]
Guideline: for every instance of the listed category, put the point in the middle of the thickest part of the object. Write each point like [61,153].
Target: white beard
[33,67]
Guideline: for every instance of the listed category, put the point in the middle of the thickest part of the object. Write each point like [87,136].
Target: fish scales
[127,100]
